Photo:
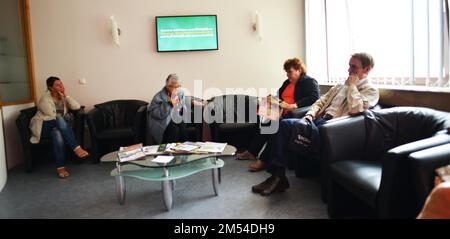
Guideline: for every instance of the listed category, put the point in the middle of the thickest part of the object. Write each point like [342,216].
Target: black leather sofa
[194,128]
[33,153]
[232,119]
[116,123]
[365,171]
[423,165]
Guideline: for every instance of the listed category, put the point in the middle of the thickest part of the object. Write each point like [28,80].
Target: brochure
[269,107]
[162,159]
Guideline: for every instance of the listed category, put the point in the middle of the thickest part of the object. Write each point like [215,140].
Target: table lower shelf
[177,172]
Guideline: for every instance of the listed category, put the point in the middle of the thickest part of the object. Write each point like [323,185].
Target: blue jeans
[61,134]
[280,156]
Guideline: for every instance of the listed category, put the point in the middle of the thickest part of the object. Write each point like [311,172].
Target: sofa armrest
[95,122]
[342,139]
[140,123]
[396,187]
[300,112]
[78,123]
[423,165]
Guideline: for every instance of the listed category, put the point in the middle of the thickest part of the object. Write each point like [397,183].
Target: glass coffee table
[181,166]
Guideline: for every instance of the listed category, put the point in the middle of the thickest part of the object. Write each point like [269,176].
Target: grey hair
[171,78]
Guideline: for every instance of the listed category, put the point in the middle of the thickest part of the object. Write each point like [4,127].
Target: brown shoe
[257,166]
[260,187]
[277,185]
[62,172]
[245,156]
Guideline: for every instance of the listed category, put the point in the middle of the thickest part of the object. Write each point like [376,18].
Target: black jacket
[306,91]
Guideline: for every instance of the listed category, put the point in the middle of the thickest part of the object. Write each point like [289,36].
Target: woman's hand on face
[62,93]
[174,100]
[198,103]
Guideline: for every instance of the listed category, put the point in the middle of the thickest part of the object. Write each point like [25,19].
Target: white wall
[13,145]
[3,174]
[72,39]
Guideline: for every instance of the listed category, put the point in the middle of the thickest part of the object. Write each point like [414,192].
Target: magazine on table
[211,147]
[152,150]
[186,147]
[130,153]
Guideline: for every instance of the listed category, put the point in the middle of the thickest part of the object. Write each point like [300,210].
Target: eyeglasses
[354,66]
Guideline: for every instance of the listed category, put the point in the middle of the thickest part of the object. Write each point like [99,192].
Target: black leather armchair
[116,123]
[195,126]
[34,152]
[358,178]
[232,119]
[423,165]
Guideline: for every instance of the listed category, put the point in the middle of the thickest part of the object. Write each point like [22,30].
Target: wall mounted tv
[186,33]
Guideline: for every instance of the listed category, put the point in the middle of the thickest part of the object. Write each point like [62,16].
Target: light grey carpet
[90,193]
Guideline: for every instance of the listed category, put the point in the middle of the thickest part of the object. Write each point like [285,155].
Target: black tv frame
[217,32]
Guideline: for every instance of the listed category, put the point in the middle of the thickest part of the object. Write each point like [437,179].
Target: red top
[288,95]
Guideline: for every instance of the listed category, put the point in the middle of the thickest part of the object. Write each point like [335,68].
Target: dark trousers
[259,140]
[280,154]
[175,133]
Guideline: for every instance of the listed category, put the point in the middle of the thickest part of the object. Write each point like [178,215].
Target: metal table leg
[167,191]
[120,189]
[215,180]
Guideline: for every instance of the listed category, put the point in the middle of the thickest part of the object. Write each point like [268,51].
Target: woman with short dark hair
[49,122]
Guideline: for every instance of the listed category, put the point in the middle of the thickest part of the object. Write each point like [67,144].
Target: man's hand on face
[351,80]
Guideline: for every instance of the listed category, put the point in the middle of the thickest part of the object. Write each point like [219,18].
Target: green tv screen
[186,33]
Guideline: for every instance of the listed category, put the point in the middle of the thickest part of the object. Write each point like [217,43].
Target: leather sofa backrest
[234,108]
[119,113]
[415,123]
[26,115]
[23,122]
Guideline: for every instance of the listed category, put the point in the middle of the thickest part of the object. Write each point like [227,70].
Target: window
[407,38]
[16,77]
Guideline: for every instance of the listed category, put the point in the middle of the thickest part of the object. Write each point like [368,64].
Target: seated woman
[165,113]
[49,122]
[299,90]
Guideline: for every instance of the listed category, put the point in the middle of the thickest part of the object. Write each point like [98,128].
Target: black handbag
[304,138]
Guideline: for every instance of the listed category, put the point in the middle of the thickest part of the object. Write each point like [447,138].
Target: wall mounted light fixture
[115,30]
[257,25]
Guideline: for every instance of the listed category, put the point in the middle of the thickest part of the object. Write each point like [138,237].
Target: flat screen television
[186,33]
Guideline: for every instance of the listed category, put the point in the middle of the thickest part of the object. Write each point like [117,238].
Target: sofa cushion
[362,178]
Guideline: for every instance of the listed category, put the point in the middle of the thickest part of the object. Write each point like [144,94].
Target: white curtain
[403,36]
